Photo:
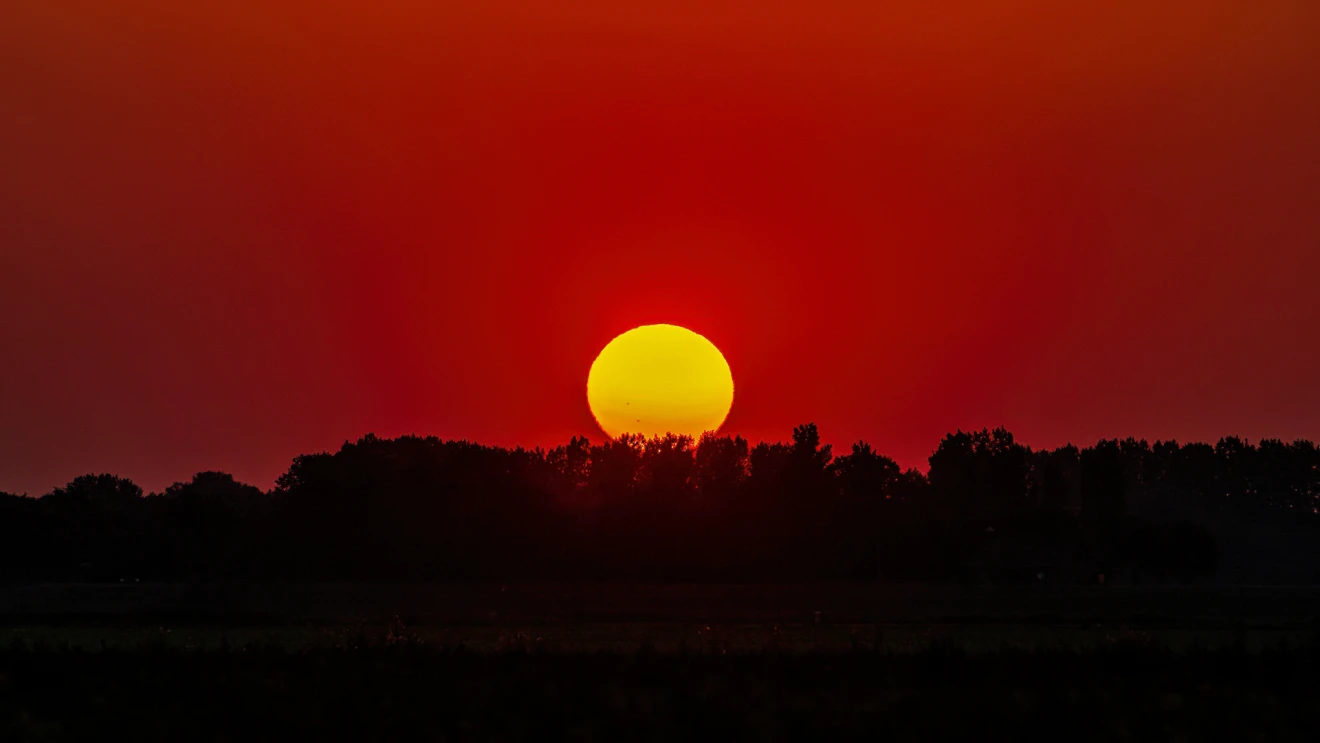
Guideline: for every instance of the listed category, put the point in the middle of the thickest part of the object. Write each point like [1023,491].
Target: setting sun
[659,379]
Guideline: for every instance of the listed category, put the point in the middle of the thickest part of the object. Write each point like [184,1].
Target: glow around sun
[659,379]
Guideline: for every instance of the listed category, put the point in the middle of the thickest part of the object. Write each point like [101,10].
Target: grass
[657,663]
[388,687]
[664,637]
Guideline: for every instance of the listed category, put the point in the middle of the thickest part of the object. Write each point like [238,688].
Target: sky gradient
[232,232]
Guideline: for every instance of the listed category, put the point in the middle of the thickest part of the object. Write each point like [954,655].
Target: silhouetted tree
[982,476]
[571,465]
[722,466]
[23,542]
[810,460]
[671,509]
[615,464]
[101,518]
[666,466]
[865,474]
[102,492]
[1057,477]
[1103,485]
[212,525]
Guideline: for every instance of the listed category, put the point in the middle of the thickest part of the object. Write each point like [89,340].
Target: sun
[659,379]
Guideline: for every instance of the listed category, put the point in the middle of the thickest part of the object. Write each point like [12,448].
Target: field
[482,604]
[656,663]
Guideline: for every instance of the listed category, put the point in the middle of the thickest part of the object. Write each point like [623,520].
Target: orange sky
[231,232]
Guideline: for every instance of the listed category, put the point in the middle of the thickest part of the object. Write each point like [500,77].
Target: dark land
[657,662]
[670,589]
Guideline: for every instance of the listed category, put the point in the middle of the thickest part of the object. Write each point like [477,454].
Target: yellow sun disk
[659,379]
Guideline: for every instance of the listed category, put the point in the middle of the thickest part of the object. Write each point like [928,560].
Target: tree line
[670,508]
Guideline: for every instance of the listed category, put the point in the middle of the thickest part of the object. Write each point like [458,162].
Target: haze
[231,232]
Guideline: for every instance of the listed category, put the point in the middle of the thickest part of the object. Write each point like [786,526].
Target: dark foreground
[393,686]
[639,663]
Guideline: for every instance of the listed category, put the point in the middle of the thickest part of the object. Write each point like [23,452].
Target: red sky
[231,232]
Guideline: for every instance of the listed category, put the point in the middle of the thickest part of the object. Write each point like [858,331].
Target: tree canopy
[674,509]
